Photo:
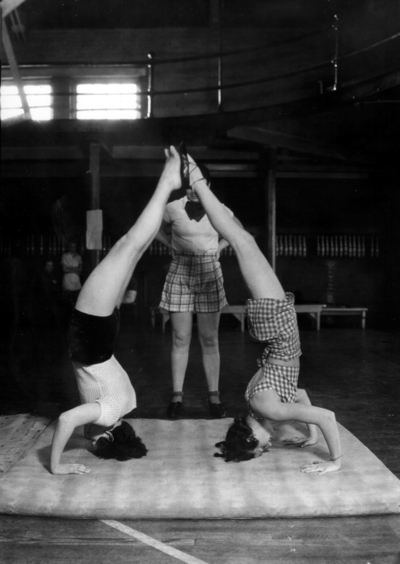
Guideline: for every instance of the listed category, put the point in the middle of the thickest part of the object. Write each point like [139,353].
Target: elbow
[64,423]
[329,417]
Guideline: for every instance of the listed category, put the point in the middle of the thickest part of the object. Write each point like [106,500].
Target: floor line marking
[187,558]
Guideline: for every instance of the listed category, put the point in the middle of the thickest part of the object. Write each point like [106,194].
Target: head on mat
[121,443]
[245,439]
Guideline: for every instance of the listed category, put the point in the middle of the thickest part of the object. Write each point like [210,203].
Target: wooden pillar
[270,208]
[94,167]
[61,104]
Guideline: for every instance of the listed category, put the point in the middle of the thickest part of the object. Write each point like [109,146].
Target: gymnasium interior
[294,107]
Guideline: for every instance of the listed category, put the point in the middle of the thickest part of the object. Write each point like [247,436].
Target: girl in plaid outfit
[272,394]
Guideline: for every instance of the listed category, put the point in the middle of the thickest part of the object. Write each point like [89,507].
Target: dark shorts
[92,338]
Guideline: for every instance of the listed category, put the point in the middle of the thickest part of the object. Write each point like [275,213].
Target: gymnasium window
[39,98]
[114,101]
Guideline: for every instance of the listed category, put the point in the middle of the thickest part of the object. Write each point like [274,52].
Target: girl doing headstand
[272,393]
[106,392]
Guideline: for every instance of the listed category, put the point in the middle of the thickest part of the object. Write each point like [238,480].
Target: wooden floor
[356,373]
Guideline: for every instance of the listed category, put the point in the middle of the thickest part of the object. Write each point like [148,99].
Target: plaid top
[282,379]
[275,323]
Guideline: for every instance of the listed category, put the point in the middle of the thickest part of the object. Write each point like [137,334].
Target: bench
[313,310]
[361,311]
[240,312]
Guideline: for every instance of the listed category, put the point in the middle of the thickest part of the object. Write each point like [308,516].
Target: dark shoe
[174,409]
[217,410]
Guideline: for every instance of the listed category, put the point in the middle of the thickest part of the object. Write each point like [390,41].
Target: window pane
[39,100]
[108,101]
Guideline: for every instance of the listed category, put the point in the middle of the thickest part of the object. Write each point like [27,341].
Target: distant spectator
[71,263]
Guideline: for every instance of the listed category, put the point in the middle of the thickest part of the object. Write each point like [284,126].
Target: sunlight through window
[39,97]
[108,101]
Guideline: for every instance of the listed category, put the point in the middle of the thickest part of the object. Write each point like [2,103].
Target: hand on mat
[318,467]
[71,469]
[300,441]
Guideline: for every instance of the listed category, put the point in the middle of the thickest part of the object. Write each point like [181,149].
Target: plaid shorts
[275,323]
[194,283]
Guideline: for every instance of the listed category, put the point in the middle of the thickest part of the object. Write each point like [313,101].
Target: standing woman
[107,394]
[194,284]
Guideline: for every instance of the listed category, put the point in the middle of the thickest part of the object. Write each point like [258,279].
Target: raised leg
[257,272]
[104,288]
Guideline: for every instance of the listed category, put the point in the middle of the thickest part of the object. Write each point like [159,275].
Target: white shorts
[109,385]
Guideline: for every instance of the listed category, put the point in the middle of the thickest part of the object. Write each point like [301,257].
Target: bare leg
[257,272]
[181,323]
[303,398]
[104,288]
[208,335]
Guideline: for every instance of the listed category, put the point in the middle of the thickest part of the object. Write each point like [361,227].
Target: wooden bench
[313,310]
[361,311]
[240,312]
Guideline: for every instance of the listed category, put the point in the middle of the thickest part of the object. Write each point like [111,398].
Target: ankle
[213,397]
[176,396]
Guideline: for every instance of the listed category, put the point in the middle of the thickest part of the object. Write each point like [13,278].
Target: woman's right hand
[318,467]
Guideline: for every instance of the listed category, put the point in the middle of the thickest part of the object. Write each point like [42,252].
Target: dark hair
[239,443]
[124,446]
[205,172]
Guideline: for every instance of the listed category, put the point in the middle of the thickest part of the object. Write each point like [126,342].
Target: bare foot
[71,469]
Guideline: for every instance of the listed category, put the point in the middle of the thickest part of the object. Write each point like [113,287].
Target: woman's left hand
[300,442]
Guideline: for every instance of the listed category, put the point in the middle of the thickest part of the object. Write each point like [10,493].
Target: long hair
[125,444]
[239,443]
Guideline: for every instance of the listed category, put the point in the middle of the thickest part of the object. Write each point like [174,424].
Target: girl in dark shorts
[272,394]
[106,392]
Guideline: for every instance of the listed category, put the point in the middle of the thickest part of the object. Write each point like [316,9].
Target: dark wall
[309,208]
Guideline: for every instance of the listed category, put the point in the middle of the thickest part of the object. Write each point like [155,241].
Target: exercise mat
[180,478]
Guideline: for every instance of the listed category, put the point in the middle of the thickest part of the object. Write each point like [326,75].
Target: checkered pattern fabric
[282,379]
[275,322]
[194,283]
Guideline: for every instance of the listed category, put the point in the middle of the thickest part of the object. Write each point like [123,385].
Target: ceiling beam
[122,152]
[276,139]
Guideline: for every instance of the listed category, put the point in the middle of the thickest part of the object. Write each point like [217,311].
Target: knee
[180,339]
[209,341]
[301,395]
[246,238]
[327,416]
